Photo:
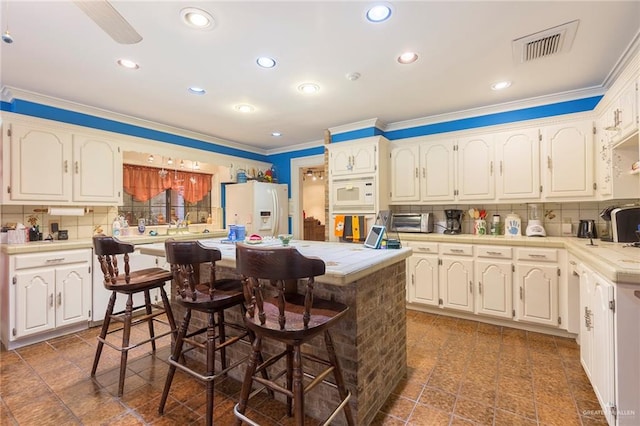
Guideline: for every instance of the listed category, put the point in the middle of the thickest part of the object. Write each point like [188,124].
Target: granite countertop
[617,262]
[345,262]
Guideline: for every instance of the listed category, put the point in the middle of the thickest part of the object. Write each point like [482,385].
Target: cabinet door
[495,288]
[35,305]
[438,171]
[364,158]
[341,162]
[424,279]
[602,361]
[627,111]
[40,163]
[538,294]
[352,159]
[475,169]
[404,173]
[456,283]
[586,320]
[518,161]
[97,170]
[73,294]
[569,160]
[603,159]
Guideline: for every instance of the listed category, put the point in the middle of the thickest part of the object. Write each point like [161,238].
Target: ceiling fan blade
[108,18]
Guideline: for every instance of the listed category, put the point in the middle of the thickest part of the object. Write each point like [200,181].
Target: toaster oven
[412,222]
[625,224]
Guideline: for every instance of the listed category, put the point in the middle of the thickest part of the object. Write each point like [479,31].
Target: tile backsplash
[553,215]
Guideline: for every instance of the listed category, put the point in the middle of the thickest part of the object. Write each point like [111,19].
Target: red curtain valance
[145,183]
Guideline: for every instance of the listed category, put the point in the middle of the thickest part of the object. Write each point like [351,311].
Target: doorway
[308,183]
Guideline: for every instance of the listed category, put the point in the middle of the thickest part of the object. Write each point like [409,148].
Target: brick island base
[370,342]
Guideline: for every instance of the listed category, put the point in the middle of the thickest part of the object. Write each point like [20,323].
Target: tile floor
[460,373]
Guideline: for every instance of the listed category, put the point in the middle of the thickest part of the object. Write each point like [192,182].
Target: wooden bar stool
[108,250]
[291,319]
[212,297]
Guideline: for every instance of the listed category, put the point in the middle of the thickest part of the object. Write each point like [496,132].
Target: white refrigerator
[262,207]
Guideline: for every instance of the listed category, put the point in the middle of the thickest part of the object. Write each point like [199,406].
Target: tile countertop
[616,262]
[345,262]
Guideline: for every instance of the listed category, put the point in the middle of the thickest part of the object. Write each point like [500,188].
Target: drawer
[494,252]
[431,248]
[51,258]
[538,255]
[457,249]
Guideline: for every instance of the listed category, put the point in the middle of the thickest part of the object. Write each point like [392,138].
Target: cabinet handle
[416,172]
[77,167]
[538,256]
[500,167]
[494,253]
[66,166]
[60,299]
[55,260]
[470,287]
[424,172]
[491,169]
[457,251]
[479,287]
[423,248]
[51,300]
[521,293]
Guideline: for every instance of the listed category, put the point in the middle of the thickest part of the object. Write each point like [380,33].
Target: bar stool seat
[212,297]
[293,320]
[129,283]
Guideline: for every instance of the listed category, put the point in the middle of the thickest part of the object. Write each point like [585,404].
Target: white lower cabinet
[423,274]
[597,337]
[456,276]
[536,278]
[493,271]
[45,292]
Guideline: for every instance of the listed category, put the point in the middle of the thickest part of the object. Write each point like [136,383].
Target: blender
[534,224]
[454,221]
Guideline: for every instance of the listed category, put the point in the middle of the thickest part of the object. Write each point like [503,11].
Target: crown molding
[364,124]
[10,94]
[298,147]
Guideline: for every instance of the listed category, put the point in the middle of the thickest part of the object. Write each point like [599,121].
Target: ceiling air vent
[545,43]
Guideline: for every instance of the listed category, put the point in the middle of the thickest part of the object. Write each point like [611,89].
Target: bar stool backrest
[107,249]
[185,258]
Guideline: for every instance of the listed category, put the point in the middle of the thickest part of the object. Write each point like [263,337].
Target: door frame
[297,166]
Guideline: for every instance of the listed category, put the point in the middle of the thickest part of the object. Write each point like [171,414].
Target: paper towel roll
[66,211]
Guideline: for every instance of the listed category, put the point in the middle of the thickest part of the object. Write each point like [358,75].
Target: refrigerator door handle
[276,212]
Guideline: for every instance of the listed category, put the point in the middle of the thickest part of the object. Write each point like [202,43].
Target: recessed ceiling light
[244,108]
[197,18]
[379,13]
[408,58]
[276,134]
[197,90]
[127,63]
[309,88]
[500,85]
[266,62]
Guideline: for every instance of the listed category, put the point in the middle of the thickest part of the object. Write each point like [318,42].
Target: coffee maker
[454,221]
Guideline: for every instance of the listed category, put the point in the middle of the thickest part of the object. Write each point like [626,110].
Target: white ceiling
[463,48]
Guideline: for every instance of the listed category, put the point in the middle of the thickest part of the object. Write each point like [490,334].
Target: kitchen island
[370,341]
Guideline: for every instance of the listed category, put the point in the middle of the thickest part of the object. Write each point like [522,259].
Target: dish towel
[354,229]
[338,226]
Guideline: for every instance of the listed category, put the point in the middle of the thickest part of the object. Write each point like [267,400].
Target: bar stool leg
[337,374]
[177,353]
[223,336]
[147,307]
[289,367]
[298,388]
[126,335]
[169,313]
[103,332]
[211,351]
[252,365]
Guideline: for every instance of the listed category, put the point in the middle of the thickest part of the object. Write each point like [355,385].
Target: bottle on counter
[116,227]
[495,224]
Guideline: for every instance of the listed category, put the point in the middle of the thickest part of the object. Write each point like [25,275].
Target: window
[165,207]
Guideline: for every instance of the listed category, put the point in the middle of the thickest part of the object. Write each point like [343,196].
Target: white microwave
[353,195]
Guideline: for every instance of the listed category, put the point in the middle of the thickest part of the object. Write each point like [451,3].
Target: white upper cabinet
[437,178]
[568,161]
[621,117]
[40,163]
[97,170]
[518,163]
[353,158]
[475,171]
[405,182]
[47,164]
